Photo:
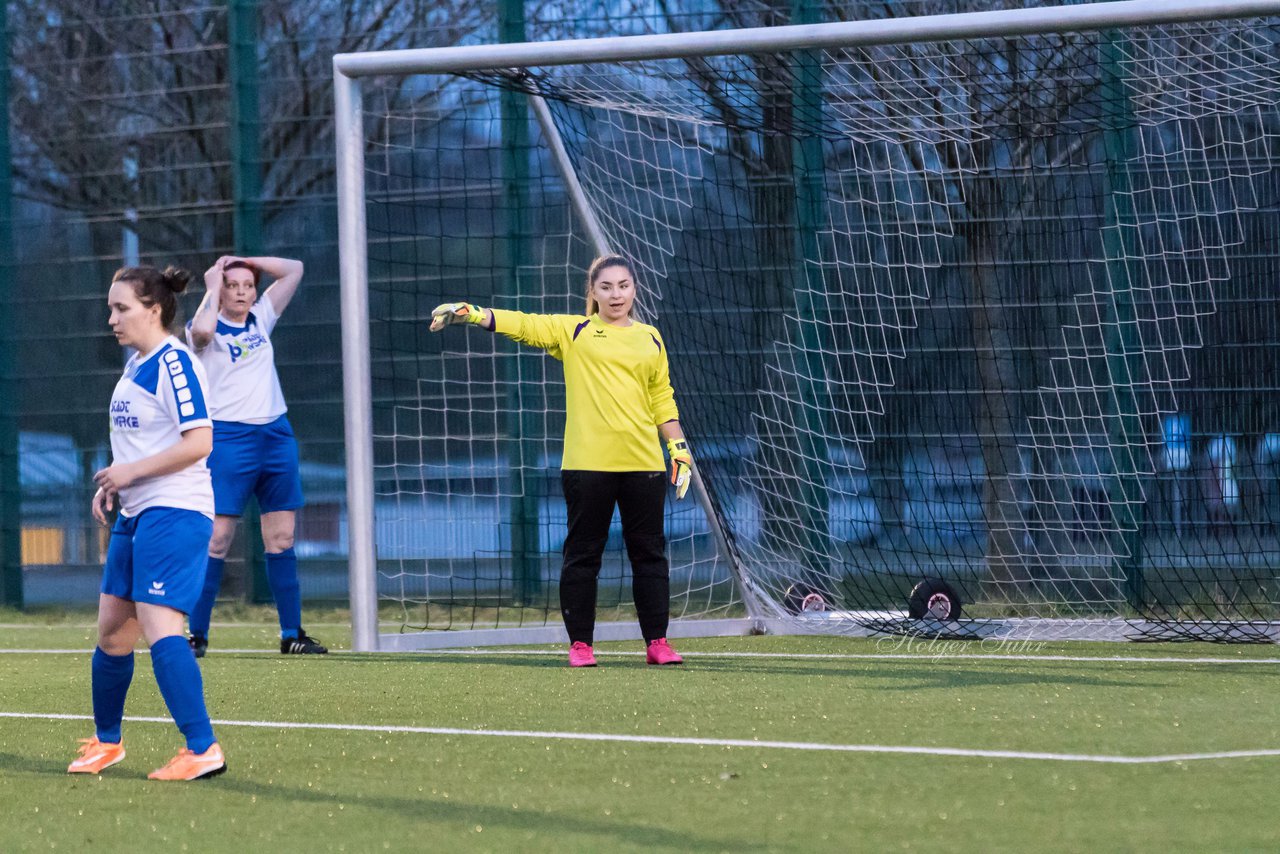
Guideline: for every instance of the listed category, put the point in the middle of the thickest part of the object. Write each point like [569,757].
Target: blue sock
[111,677]
[282,575]
[180,683]
[203,610]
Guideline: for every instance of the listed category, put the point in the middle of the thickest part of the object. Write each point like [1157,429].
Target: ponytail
[153,286]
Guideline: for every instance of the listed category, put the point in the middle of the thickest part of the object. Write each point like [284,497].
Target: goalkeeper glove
[681,465]
[455,312]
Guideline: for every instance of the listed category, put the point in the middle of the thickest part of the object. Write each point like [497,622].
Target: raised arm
[287,274]
[205,321]
[550,332]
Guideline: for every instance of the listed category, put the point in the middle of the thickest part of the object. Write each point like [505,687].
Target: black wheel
[805,599]
[934,599]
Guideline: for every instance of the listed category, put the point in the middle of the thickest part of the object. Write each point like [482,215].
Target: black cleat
[302,645]
[199,645]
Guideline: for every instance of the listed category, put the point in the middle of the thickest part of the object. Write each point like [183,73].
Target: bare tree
[121,109]
[120,116]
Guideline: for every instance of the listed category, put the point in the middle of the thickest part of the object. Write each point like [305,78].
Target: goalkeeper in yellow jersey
[619,401]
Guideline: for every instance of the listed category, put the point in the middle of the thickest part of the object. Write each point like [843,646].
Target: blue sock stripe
[182,687]
[111,677]
[202,613]
[282,576]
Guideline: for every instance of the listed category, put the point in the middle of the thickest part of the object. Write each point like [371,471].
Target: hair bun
[175,279]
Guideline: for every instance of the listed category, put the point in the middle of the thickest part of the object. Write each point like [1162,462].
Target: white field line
[801,656]
[704,742]
[140,651]
[88,627]
[880,656]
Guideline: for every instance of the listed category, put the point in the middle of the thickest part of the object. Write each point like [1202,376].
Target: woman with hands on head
[254,449]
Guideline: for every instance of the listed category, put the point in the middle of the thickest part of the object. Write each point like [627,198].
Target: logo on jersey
[120,417]
[157,588]
[245,345]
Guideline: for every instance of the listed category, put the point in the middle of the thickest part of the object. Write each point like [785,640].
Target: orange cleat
[95,756]
[192,766]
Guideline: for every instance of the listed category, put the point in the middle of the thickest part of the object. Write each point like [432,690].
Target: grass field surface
[755,744]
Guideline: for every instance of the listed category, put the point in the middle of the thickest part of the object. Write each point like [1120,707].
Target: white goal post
[764,609]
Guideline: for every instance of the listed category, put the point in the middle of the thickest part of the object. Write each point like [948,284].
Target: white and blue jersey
[254,449]
[242,367]
[158,543]
[160,397]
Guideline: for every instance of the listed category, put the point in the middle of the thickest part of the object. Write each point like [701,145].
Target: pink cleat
[581,655]
[660,652]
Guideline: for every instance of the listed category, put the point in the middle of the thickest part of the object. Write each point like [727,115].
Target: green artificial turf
[311,790]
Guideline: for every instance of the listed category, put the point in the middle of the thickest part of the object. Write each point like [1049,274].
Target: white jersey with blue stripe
[242,368]
[160,397]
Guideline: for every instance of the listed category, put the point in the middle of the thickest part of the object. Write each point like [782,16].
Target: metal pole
[356,372]
[246,159]
[970,25]
[10,484]
[518,422]
[809,439]
[1124,360]
[246,223]
[560,156]
[130,250]
[751,594]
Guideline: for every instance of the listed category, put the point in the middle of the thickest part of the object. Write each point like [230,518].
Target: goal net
[971,337]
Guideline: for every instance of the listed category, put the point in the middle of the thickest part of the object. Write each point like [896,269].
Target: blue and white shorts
[255,459]
[158,557]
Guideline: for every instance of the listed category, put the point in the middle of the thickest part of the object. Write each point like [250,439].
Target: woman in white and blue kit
[254,450]
[160,437]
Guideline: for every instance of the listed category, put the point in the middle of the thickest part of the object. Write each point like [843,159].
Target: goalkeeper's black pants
[640,497]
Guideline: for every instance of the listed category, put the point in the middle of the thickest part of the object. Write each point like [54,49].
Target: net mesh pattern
[987,317]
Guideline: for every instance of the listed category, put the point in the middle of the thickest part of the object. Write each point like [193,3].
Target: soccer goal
[973,321]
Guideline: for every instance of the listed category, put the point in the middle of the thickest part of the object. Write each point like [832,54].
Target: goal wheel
[805,599]
[935,599]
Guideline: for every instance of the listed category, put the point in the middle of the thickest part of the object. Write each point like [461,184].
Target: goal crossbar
[848,34]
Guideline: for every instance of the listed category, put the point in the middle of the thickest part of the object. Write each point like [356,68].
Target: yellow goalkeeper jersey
[617,384]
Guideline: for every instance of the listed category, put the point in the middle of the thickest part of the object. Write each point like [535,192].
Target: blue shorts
[255,459]
[158,557]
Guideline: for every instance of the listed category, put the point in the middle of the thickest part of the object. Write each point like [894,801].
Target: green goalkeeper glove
[455,312]
[681,465]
